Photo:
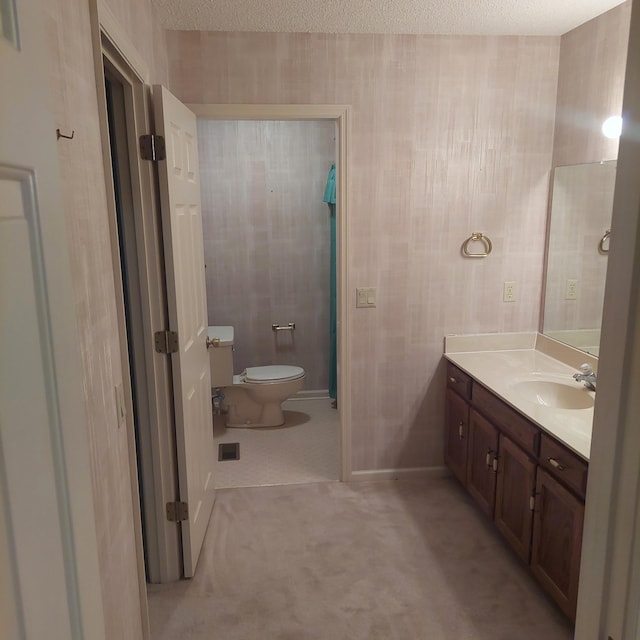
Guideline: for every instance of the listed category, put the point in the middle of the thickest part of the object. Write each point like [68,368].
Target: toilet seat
[272,373]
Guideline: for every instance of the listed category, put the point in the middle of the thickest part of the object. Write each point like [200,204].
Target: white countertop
[498,370]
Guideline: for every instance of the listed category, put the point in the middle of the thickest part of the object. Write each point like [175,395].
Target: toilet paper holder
[290,327]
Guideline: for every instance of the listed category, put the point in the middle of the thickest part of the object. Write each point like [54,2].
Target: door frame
[159,475]
[609,593]
[341,114]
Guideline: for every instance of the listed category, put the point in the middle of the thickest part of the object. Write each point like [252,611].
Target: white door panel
[186,294]
[49,580]
[28,403]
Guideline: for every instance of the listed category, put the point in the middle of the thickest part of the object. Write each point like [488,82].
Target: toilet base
[266,415]
[258,405]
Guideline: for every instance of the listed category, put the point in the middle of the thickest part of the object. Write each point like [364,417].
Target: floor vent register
[229,451]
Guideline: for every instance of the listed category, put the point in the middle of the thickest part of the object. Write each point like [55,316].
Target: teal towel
[330,189]
[330,199]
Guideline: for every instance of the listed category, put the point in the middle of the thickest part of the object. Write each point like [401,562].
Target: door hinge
[152,147]
[166,341]
[177,511]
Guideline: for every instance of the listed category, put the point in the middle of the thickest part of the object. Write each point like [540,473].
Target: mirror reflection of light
[612,127]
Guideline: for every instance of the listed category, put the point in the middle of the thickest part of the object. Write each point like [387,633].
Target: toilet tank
[221,356]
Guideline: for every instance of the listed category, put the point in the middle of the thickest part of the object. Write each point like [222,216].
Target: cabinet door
[515,489]
[557,541]
[483,448]
[456,435]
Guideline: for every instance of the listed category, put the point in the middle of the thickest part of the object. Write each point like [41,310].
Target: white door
[186,295]
[49,578]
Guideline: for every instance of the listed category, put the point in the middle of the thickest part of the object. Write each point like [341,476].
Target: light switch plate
[365,297]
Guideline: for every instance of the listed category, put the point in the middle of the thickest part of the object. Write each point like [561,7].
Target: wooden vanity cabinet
[459,381]
[515,490]
[501,478]
[456,435]
[458,395]
[513,424]
[565,465]
[557,541]
[558,522]
[529,483]
[482,461]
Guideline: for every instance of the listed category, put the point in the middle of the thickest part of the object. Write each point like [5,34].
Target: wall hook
[61,135]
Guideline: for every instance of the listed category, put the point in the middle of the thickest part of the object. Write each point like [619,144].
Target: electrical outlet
[572,290]
[509,291]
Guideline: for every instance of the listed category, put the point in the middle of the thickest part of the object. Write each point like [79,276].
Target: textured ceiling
[502,17]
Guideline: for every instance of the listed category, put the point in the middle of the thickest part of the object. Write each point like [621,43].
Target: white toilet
[254,398]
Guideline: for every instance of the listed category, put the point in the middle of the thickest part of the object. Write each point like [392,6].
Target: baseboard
[310,393]
[399,474]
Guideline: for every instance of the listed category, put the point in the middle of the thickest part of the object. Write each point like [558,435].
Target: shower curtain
[330,199]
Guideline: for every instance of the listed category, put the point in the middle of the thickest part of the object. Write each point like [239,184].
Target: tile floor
[305,449]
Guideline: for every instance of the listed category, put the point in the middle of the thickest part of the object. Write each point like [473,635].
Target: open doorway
[173,521]
[338,117]
[270,255]
[138,269]
[167,419]
[130,277]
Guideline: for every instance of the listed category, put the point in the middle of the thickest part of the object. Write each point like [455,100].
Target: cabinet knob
[555,464]
[460,428]
[452,379]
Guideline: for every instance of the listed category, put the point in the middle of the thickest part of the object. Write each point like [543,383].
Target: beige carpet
[402,560]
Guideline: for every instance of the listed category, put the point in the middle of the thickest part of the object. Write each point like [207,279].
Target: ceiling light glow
[612,127]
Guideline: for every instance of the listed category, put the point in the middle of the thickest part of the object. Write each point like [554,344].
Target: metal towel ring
[477,236]
[604,238]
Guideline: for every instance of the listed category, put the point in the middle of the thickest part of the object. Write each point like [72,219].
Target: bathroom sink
[554,394]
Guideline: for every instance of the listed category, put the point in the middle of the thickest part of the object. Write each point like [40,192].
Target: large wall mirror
[579,230]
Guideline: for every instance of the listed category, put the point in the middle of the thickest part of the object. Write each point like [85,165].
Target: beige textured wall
[590,86]
[266,238]
[76,108]
[138,20]
[449,135]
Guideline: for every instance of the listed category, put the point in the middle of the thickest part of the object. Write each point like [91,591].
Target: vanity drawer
[459,381]
[564,464]
[514,425]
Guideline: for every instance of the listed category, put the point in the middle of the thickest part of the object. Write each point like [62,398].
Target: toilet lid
[273,373]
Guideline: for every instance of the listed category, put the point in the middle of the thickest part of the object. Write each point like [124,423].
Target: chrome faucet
[587,376]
